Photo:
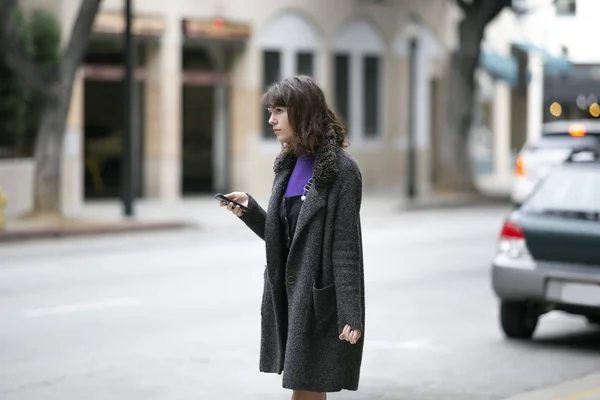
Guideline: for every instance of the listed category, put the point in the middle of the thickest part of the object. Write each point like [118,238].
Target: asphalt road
[176,316]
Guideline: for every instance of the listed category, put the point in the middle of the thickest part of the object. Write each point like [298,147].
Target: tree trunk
[48,151]
[51,133]
[453,162]
[54,85]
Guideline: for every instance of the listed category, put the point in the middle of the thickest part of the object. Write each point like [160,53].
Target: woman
[313,307]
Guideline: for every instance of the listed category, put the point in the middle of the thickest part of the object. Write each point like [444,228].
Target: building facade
[521,52]
[201,68]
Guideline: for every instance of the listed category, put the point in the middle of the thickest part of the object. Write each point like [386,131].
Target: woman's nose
[272,120]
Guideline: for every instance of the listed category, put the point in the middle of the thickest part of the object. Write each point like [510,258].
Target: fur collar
[325,168]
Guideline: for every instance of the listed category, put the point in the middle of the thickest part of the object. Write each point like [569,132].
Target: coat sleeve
[256,218]
[347,252]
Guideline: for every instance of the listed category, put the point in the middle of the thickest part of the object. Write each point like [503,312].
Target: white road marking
[417,344]
[82,307]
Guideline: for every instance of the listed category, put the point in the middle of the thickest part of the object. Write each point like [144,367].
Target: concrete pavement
[106,217]
[201,212]
[584,388]
[175,315]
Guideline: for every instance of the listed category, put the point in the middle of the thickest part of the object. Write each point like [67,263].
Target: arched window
[289,47]
[358,75]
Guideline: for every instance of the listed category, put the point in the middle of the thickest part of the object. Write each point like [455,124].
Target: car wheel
[593,319]
[519,319]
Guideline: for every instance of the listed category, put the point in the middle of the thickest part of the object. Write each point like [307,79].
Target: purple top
[302,172]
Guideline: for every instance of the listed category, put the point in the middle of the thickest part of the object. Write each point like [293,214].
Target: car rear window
[573,188]
[563,142]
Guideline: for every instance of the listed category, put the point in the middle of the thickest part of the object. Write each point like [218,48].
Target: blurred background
[123,115]
[200,68]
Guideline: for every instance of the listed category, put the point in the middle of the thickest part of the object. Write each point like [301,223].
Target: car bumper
[518,284]
[550,283]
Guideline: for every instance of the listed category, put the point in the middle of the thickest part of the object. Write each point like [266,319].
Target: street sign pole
[127,184]
[411,167]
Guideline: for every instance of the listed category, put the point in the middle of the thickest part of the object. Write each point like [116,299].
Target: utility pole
[127,184]
[411,167]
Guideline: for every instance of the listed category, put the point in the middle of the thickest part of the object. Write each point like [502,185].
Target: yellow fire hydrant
[2,203]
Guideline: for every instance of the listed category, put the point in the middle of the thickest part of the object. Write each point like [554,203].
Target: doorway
[104,119]
[197,130]
[197,122]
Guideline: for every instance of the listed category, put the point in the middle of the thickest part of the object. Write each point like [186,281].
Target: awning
[112,23]
[500,66]
[217,29]
[553,65]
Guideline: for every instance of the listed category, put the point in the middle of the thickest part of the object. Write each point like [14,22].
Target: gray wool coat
[322,275]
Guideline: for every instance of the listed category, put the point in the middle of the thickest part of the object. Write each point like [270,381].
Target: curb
[583,388]
[454,203]
[56,232]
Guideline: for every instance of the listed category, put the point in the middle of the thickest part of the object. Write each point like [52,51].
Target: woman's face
[281,125]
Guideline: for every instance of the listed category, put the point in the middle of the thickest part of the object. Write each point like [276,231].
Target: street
[176,315]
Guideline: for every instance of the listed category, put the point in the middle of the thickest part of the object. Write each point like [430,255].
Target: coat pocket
[325,309]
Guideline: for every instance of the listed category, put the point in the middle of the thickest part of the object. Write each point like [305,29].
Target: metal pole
[220,145]
[411,167]
[127,188]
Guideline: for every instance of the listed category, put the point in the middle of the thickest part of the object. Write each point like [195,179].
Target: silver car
[557,141]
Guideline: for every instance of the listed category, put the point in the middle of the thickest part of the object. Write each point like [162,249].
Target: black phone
[222,197]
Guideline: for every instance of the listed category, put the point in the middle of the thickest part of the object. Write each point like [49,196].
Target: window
[566,7]
[342,86]
[272,62]
[574,189]
[371,95]
[357,69]
[364,95]
[304,63]
[271,73]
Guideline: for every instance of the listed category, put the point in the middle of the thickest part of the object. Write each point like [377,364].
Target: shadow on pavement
[588,340]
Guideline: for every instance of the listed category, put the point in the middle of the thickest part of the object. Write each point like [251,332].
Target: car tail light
[577,130]
[511,231]
[520,167]
[512,241]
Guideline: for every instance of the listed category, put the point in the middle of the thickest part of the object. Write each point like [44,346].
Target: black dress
[290,210]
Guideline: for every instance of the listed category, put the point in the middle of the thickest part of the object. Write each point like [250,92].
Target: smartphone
[221,197]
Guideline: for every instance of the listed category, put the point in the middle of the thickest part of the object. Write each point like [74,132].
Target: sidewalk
[584,388]
[25,229]
[202,212]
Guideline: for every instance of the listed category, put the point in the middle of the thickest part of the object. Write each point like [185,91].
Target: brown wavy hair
[309,116]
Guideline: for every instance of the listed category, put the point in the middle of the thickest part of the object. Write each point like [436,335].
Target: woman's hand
[241,198]
[349,334]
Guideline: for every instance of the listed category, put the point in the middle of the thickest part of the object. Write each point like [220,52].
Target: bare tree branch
[466,7]
[481,12]
[491,9]
[79,37]
[16,57]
